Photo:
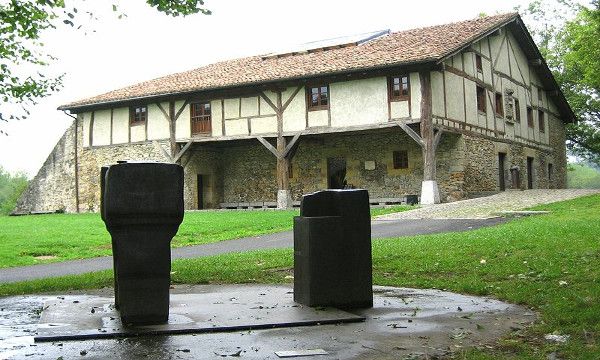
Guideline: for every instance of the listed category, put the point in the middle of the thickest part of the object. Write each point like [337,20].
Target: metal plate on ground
[92,317]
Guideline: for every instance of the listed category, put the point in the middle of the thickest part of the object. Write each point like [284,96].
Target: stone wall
[53,188]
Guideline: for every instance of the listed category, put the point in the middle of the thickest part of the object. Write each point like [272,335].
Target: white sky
[148,44]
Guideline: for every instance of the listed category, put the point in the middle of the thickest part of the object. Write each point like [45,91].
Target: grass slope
[547,262]
[77,236]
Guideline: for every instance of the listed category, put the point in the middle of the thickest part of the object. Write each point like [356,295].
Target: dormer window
[399,88]
[138,115]
[318,97]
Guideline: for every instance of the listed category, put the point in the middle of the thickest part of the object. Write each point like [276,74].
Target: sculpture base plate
[226,310]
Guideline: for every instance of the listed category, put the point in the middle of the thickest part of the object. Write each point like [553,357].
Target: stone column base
[430,194]
[284,199]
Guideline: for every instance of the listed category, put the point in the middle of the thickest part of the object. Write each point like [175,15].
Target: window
[318,97]
[138,115]
[200,117]
[530,117]
[517,111]
[541,123]
[540,91]
[481,99]
[399,88]
[478,63]
[401,159]
[499,105]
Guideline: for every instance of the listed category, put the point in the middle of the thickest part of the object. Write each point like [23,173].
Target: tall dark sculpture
[332,250]
[142,207]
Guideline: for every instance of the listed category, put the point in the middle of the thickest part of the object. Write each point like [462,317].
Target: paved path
[380,229]
[491,206]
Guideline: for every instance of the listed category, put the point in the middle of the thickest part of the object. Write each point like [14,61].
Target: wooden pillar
[429,189]
[172,127]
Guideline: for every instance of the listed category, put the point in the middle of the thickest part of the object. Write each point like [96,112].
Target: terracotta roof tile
[404,47]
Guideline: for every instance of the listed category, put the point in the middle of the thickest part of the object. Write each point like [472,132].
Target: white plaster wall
[249,106]
[236,126]
[455,97]
[120,125]
[399,109]
[471,99]
[469,63]
[519,62]
[216,117]
[499,53]
[264,125]
[437,93]
[183,128]
[138,133]
[101,131]
[158,126]
[358,102]
[317,118]
[265,108]
[86,128]
[415,95]
[232,108]
[294,116]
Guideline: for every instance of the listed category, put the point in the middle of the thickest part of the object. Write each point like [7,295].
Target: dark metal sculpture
[142,207]
[332,250]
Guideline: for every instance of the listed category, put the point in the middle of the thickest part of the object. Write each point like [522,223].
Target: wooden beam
[436,139]
[427,127]
[162,109]
[162,150]
[268,145]
[172,136]
[181,109]
[182,151]
[290,145]
[291,98]
[268,101]
[410,132]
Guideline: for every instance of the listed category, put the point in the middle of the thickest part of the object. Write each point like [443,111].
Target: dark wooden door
[336,173]
[530,173]
[200,192]
[501,170]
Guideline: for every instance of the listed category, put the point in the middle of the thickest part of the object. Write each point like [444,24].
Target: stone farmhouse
[441,113]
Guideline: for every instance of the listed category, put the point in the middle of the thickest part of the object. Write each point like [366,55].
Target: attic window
[138,115]
[318,97]
[478,63]
[399,88]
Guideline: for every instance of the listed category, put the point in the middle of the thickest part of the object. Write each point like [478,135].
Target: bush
[11,188]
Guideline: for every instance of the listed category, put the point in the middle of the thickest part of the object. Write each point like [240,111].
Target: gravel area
[491,206]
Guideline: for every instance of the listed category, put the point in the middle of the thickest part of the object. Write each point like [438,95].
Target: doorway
[336,173]
[200,191]
[529,172]
[501,170]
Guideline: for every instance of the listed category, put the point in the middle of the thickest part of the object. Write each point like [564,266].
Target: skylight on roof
[326,44]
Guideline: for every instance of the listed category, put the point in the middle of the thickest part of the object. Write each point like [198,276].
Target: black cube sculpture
[142,207]
[332,250]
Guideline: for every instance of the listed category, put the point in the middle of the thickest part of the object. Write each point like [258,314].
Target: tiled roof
[399,48]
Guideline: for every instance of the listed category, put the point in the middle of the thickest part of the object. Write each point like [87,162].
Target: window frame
[530,122]
[499,104]
[478,63]
[541,121]
[400,159]
[194,117]
[133,121]
[309,93]
[480,93]
[517,110]
[401,96]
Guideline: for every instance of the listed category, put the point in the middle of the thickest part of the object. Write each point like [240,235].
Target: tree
[11,188]
[23,78]
[568,35]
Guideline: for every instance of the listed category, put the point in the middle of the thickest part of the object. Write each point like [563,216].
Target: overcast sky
[147,44]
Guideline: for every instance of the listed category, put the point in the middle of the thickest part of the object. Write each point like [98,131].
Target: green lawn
[546,262]
[60,237]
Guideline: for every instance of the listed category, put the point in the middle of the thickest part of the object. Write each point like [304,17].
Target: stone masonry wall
[53,188]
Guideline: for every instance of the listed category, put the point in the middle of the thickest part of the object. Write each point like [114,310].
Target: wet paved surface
[404,323]
[381,228]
